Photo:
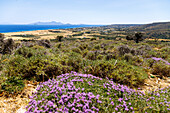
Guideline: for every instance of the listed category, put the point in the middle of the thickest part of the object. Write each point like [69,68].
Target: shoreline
[21,28]
[27,30]
[49,33]
[43,34]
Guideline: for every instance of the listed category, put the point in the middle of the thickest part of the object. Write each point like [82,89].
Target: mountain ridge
[49,23]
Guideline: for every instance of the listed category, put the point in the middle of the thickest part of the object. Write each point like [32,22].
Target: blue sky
[84,11]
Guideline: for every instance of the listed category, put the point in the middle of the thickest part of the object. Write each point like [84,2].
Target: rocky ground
[17,104]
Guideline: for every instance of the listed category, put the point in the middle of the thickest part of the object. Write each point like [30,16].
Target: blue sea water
[18,28]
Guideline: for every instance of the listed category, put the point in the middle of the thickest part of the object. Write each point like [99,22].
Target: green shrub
[84,53]
[45,43]
[148,62]
[160,68]
[100,57]
[14,66]
[91,55]
[83,46]
[25,52]
[110,56]
[95,57]
[150,54]
[13,85]
[58,45]
[137,60]
[75,62]
[92,39]
[120,71]
[76,50]
[6,46]
[28,52]
[164,53]
[97,46]
[123,49]
[39,67]
[128,57]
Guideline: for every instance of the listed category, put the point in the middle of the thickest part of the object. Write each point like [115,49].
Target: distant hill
[153,30]
[152,26]
[47,23]
[120,26]
[159,30]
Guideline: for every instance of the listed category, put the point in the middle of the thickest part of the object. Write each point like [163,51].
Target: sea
[19,28]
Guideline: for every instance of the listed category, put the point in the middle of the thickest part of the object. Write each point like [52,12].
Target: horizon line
[85,23]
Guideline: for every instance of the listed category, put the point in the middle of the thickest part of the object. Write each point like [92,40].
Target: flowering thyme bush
[86,93]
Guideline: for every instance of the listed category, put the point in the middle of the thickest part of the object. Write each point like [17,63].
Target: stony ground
[17,104]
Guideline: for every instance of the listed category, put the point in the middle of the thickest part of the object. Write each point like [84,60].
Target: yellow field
[41,34]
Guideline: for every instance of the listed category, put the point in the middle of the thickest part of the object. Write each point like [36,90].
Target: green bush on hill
[124,62]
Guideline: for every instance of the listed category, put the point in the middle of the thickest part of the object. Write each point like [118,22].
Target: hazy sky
[84,11]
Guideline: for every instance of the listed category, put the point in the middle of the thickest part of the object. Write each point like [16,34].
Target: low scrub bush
[14,66]
[7,46]
[83,46]
[36,67]
[46,43]
[103,58]
[77,50]
[123,49]
[25,52]
[128,57]
[160,68]
[13,85]
[91,55]
[75,62]
[119,71]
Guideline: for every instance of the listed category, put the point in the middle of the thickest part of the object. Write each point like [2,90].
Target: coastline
[20,32]
[20,28]
[45,34]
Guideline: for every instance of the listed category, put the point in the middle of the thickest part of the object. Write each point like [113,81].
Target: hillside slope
[153,30]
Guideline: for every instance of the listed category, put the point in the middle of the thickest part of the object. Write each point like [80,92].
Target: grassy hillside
[155,30]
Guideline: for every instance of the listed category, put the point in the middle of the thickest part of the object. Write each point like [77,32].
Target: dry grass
[43,34]
[160,39]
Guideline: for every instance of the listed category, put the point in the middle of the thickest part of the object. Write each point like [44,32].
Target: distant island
[49,23]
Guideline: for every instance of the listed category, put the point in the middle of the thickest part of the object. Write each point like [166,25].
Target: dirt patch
[154,82]
[157,48]
[17,104]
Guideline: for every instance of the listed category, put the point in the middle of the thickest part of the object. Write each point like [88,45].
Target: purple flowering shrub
[81,93]
[160,59]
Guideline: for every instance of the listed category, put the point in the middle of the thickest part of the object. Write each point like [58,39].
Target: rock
[1,110]
[148,85]
[168,80]
[29,85]
[21,110]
